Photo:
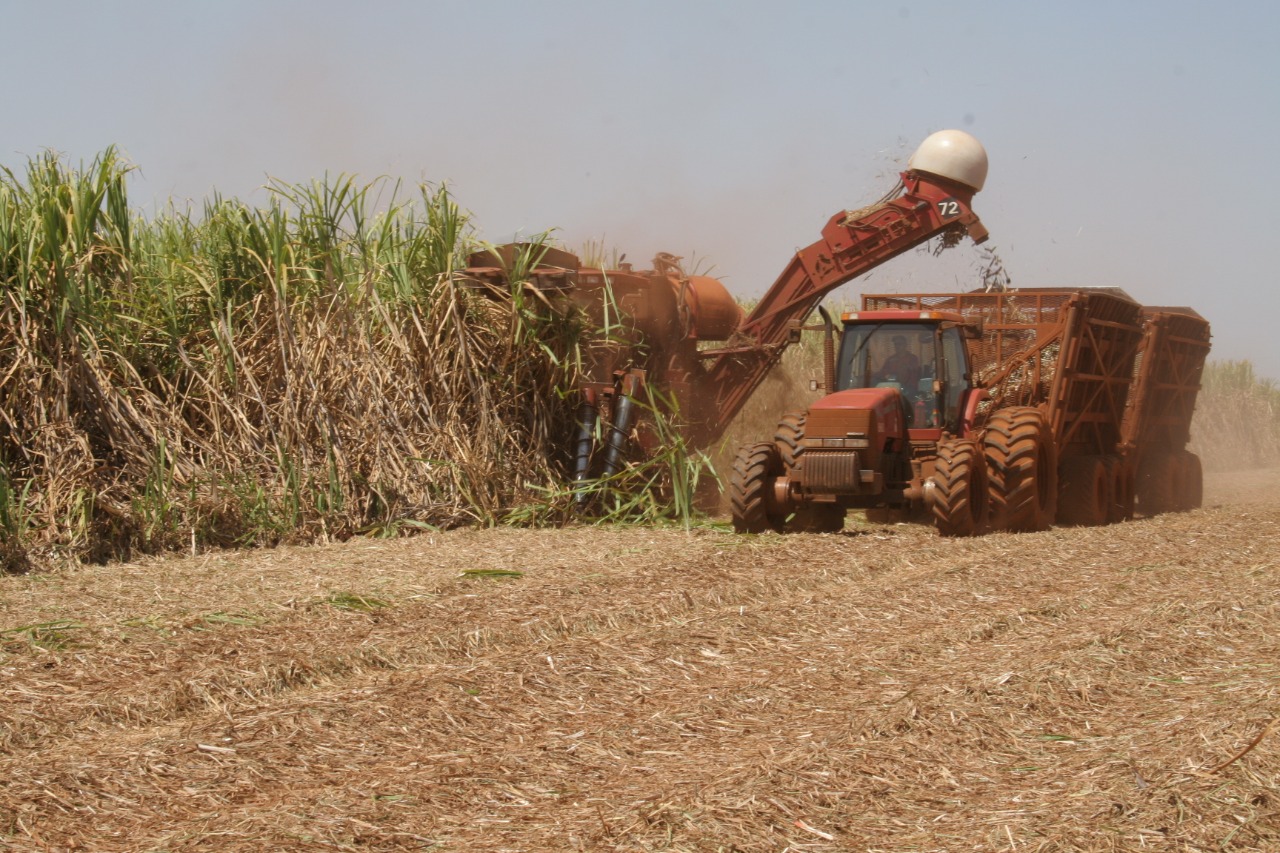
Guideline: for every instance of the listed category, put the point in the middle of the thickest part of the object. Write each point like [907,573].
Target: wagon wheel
[1085,491]
[958,497]
[754,472]
[1022,469]
[1190,494]
[1158,483]
[1121,508]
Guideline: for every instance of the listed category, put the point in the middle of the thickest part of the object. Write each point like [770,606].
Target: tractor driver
[902,367]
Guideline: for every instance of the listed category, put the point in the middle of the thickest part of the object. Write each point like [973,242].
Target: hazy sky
[1132,143]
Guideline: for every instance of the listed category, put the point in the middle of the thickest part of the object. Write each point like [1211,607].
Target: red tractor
[1007,410]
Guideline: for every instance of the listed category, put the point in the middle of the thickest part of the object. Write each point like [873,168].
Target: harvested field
[636,689]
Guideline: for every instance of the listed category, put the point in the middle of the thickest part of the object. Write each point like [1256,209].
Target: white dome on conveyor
[952,154]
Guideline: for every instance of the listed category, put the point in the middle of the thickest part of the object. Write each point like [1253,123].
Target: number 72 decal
[948,208]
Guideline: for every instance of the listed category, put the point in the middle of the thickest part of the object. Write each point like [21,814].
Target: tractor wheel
[817,518]
[788,437]
[1121,490]
[1158,483]
[1022,469]
[1190,494]
[754,472]
[958,498]
[1085,491]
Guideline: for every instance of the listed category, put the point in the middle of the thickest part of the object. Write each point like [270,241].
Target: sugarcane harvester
[666,317]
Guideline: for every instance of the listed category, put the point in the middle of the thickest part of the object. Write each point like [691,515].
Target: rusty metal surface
[1086,408]
[1166,379]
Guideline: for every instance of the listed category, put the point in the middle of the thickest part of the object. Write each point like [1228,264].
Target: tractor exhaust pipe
[828,351]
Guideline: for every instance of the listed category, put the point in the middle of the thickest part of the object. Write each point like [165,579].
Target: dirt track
[660,690]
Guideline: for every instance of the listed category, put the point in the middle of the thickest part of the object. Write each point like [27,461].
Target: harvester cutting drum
[654,322]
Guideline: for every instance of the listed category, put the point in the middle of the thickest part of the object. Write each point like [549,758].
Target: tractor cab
[919,354]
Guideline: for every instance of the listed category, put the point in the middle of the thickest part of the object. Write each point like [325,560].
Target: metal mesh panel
[995,348]
[1008,308]
[1028,382]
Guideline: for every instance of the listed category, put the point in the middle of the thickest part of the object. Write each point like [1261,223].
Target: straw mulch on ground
[632,689]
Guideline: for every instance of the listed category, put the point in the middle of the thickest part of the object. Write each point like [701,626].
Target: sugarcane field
[327,529]
[639,688]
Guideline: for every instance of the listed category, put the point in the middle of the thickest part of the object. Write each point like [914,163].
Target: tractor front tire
[810,517]
[1022,469]
[755,469]
[788,437]
[958,498]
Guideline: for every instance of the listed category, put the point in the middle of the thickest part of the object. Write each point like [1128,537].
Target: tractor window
[911,358]
[887,355]
[956,359]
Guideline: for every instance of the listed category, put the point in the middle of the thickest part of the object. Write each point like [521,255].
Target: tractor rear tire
[1121,490]
[817,518]
[1158,483]
[1022,469]
[1085,491]
[788,437]
[754,472]
[1190,493]
[958,498]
